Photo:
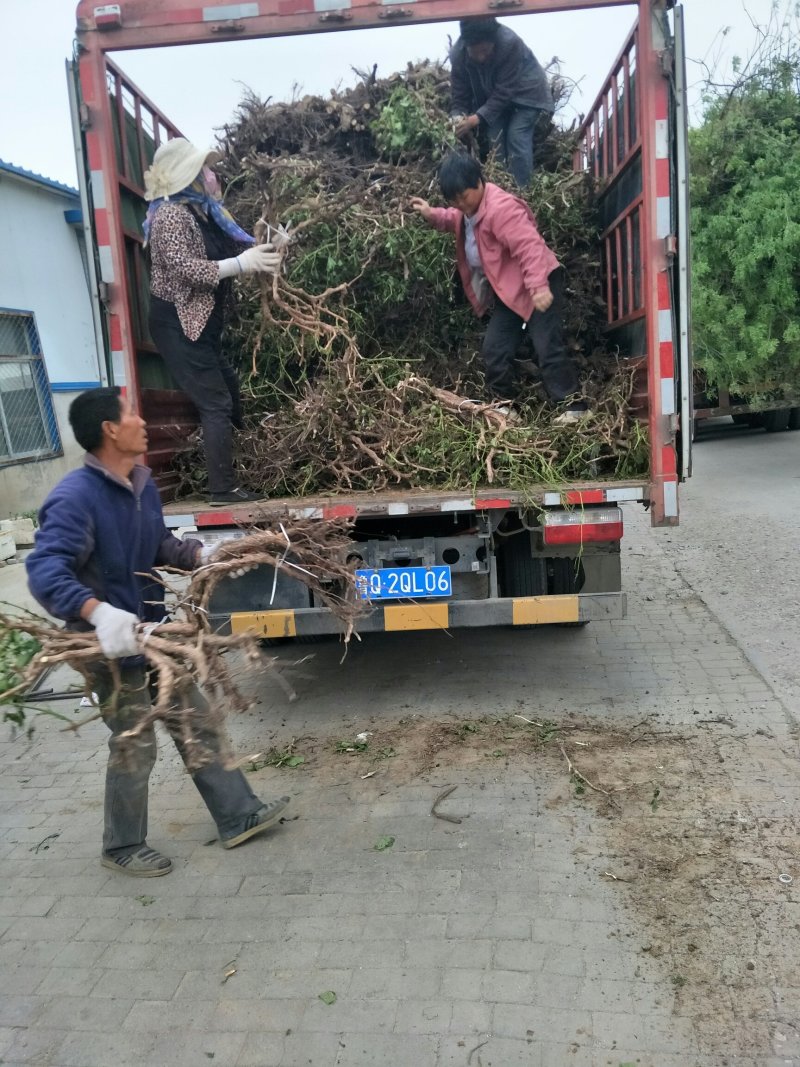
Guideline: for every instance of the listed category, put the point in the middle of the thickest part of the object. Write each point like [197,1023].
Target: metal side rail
[436,615]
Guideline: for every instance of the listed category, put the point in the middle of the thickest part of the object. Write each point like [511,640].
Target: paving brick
[494,926]
[546,1024]
[19,906]
[148,984]
[21,980]
[34,1046]
[367,953]
[654,1033]
[350,1015]
[77,1013]
[63,980]
[515,987]
[462,983]
[42,928]
[466,952]
[81,1049]
[470,1017]
[431,1016]
[489,1050]
[406,1050]
[305,982]
[263,1050]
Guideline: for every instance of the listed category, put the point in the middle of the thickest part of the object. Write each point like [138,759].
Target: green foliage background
[745,187]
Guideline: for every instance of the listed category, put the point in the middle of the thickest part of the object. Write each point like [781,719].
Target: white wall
[23,486]
[41,270]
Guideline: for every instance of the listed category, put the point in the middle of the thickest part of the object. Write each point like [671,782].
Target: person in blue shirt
[101,536]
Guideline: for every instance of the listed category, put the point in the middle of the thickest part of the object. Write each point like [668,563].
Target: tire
[776,421]
[521,574]
[565,577]
[794,419]
[525,575]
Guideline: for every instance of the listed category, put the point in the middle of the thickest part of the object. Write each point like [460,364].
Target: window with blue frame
[28,427]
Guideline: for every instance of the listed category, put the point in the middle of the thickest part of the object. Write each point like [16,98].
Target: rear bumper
[437,615]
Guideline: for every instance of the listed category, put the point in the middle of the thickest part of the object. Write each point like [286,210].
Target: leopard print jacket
[181,271]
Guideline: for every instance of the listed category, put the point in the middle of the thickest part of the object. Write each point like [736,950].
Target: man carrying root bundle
[101,535]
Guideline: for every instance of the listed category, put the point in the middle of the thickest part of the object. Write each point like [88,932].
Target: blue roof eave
[37,179]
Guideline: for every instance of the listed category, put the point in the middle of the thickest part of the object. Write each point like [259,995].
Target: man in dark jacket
[498,91]
[101,536]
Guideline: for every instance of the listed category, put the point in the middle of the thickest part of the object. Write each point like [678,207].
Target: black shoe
[234,496]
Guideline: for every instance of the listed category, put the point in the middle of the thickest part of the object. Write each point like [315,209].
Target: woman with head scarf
[195,248]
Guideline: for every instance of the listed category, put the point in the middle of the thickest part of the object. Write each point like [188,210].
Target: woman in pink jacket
[506,268]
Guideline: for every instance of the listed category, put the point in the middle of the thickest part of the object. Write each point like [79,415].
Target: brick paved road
[494,941]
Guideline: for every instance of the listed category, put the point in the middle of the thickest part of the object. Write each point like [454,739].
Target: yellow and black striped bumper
[437,615]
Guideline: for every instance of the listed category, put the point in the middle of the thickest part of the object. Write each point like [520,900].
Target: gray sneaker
[266,816]
[146,863]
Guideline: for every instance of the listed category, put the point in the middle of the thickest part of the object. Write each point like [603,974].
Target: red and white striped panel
[666,345]
[105,255]
[610,495]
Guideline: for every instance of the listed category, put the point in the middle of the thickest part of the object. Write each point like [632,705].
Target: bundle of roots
[184,652]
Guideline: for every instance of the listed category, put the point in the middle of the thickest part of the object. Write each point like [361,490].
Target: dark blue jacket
[512,77]
[95,533]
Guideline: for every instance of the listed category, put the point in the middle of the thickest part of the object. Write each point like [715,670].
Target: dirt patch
[693,842]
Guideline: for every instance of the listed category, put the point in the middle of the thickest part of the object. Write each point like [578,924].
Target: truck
[429,559]
[772,416]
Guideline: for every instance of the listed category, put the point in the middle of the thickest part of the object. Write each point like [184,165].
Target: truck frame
[549,555]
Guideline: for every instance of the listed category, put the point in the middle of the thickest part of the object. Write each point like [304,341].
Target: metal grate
[28,427]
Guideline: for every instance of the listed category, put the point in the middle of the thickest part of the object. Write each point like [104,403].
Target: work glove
[207,551]
[260,259]
[208,555]
[116,631]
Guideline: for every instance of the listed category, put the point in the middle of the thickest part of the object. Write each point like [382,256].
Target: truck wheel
[567,578]
[520,573]
[776,421]
[794,419]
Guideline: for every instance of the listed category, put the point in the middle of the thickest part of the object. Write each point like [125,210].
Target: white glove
[207,552]
[260,259]
[116,631]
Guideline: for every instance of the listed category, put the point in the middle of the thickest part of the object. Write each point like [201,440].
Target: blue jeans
[512,138]
[226,794]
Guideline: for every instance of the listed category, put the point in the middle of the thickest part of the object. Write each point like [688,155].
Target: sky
[199,87]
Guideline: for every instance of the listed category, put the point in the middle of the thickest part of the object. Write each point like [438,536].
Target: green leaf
[383,843]
[145,900]
[328,997]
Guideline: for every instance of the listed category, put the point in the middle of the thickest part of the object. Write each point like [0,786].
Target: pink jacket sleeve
[526,245]
[445,219]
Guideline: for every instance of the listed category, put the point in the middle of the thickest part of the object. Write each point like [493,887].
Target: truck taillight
[579,525]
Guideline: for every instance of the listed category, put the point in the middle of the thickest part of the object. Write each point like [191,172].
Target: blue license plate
[398,583]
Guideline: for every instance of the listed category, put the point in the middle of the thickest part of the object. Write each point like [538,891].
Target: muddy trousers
[503,336]
[226,794]
[211,383]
